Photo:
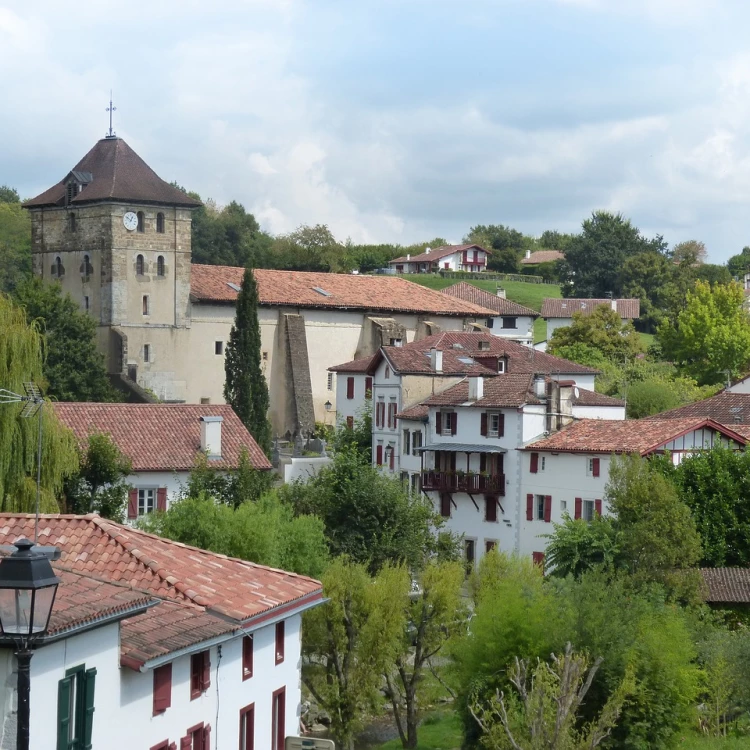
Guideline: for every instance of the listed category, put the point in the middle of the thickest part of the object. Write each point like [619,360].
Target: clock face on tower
[130,220]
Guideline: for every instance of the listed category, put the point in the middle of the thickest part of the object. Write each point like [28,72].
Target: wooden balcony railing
[451,481]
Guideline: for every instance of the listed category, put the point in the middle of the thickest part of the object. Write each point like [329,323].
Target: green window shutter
[63,712]
[88,698]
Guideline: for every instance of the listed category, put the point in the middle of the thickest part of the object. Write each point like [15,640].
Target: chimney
[476,387]
[427,250]
[613,304]
[211,436]
[408,256]
[528,253]
[500,292]
[436,359]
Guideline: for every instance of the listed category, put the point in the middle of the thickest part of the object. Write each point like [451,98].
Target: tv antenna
[111,109]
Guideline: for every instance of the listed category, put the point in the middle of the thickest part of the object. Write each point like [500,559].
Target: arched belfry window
[57,268]
[139,266]
[86,268]
[160,223]
[160,266]
[141,222]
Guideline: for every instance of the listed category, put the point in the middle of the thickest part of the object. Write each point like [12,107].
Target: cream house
[472,258]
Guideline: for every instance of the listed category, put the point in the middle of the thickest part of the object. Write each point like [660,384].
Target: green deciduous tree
[738,265]
[690,252]
[244,484]
[73,366]
[20,362]
[309,248]
[711,335]
[99,485]
[577,546]
[15,240]
[245,386]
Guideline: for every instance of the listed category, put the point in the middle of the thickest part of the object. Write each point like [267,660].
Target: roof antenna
[110,109]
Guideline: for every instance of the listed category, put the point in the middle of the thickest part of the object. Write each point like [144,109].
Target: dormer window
[141,222]
[484,346]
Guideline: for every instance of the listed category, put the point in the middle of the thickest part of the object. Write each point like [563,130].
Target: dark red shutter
[350,387]
[350,423]
[501,426]
[534,463]
[547,508]
[438,422]
[445,506]
[598,507]
[579,507]
[529,507]
[172,746]
[279,715]
[207,737]
[186,743]
[379,455]
[133,504]
[392,459]
[482,462]
[454,422]
[368,387]
[206,671]
[538,558]
[483,424]
[596,467]
[161,498]
[490,508]
[162,688]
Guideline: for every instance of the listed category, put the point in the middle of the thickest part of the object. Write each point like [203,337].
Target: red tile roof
[564,308]
[725,407]
[476,296]
[591,398]
[162,437]
[418,412]
[504,391]
[727,585]
[626,436]
[118,174]
[342,291]
[436,253]
[363,365]
[542,256]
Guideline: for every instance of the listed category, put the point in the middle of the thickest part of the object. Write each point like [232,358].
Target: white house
[353,384]
[511,321]
[163,442]
[157,645]
[446,258]
[559,312]
[567,472]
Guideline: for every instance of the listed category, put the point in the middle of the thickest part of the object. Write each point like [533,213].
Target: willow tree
[21,360]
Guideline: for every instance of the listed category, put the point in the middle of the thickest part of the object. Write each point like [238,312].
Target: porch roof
[461,448]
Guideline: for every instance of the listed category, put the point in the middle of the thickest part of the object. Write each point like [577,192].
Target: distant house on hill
[541,256]
[727,588]
[447,258]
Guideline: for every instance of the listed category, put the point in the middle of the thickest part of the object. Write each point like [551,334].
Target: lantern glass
[26,612]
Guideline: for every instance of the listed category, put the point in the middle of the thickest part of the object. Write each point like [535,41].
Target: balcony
[456,481]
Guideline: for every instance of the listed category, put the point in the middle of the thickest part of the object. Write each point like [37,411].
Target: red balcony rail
[451,481]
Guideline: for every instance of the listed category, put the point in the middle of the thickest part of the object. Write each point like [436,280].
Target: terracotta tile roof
[342,291]
[226,587]
[542,256]
[591,398]
[162,437]
[436,253]
[118,174]
[504,391]
[564,308]
[725,407]
[727,585]
[363,365]
[415,360]
[476,296]
[418,412]
[626,436]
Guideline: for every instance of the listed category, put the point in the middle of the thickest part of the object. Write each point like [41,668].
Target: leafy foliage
[577,546]
[15,240]
[232,488]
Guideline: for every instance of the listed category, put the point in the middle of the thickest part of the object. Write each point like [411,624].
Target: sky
[399,120]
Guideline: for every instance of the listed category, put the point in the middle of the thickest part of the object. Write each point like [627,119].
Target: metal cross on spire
[110,109]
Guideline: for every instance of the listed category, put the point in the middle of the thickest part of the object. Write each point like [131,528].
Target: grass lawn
[647,339]
[695,741]
[438,731]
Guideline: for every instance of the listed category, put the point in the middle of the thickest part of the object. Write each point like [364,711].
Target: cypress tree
[245,387]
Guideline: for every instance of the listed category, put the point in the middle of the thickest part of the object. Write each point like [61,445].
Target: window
[469,553]
[416,440]
[265,356]
[446,423]
[75,708]
[163,746]
[392,409]
[539,507]
[330,381]
[247,657]
[145,304]
[510,322]
[146,501]
[564,505]
[542,462]
[162,688]
[71,190]
[490,509]
[218,347]
[71,222]
[490,544]
[197,738]
[160,266]
[86,268]
[147,352]
[278,719]
[588,510]
[247,727]
[350,423]
[57,268]
[141,222]
[390,455]
[368,388]
[86,305]
[387,372]
[406,443]
[484,346]
[379,454]
[160,226]
[492,424]
[205,400]
[490,323]
[415,484]
[279,642]
[592,467]
[445,506]
[380,413]
[501,366]
[200,673]
[538,558]
[139,265]
[350,388]
[396,342]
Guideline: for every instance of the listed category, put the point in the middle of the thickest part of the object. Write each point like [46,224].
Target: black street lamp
[27,592]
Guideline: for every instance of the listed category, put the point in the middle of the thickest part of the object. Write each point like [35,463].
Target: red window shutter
[172,746]
[247,657]
[445,506]
[350,423]
[529,507]
[579,507]
[279,642]
[483,424]
[133,504]
[206,671]
[534,463]
[279,718]
[596,467]
[598,507]
[161,498]
[538,558]
[207,737]
[547,508]
[454,422]
[490,508]
[501,426]
[482,462]
[379,455]
[350,387]
[438,422]
[162,688]
[368,387]
[392,461]
[186,743]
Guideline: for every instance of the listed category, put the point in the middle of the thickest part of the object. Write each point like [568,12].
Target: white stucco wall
[523,332]
[302,468]
[349,407]
[599,412]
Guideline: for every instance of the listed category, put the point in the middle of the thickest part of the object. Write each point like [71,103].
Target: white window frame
[588,510]
[501,366]
[493,430]
[416,440]
[143,500]
[406,442]
[564,506]
[539,503]
[542,462]
[445,426]
[589,467]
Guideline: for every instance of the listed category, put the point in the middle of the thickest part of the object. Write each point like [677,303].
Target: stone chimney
[476,387]
[436,359]
[211,436]
[500,292]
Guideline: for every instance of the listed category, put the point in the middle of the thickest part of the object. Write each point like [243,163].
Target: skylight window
[234,286]
[321,291]
[466,360]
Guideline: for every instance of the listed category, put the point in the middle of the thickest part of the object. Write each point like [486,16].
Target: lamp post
[27,592]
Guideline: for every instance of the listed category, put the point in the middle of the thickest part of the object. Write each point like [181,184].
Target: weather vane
[110,109]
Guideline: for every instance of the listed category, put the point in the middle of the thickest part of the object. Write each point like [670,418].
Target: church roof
[118,174]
